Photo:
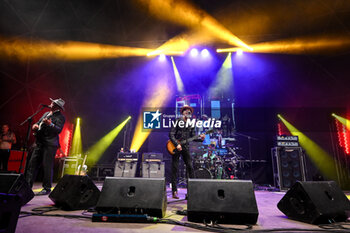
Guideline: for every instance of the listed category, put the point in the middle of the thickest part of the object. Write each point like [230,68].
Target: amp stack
[153,165]
[288,162]
[126,164]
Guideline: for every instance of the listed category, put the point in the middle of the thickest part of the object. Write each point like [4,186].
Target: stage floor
[269,217]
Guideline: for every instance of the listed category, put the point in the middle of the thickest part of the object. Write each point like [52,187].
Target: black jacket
[181,133]
[48,135]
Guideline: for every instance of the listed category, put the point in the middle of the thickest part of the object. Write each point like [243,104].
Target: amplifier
[128,157]
[100,171]
[287,138]
[152,157]
[288,143]
[125,168]
[153,169]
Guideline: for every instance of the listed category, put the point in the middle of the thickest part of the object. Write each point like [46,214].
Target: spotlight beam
[77,148]
[65,50]
[318,156]
[179,83]
[96,151]
[185,14]
[224,79]
[342,120]
[296,45]
[159,97]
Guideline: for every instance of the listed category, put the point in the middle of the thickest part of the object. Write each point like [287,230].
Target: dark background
[104,92]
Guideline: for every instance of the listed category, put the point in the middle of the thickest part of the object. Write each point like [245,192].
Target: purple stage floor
[269,217]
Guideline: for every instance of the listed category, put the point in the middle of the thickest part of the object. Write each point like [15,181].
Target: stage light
[204,53]
[194,52]
[96,151]
[161,57]
[224,79]
[342,120]
[343,132]
[179,83]
[239,52]
[77,147]
[65,140]
[320,158]
[65,50]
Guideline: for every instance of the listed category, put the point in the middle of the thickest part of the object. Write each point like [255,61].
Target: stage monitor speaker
[153,169]
[125,169]
[74,192]
[122,195]
[12,183]
[288,166]
[315,202]
[221,201]
[10,207]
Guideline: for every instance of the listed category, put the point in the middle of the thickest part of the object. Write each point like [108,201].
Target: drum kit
[218,160]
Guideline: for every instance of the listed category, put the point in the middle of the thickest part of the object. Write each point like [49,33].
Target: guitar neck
[194,137]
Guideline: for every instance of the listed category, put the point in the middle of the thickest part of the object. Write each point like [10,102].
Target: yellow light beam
[77,148]
[224,79]
[342,120]
[322,160]
[185,14]
[64,50]
[96,151]
[179,44]
[296,46]
[179,83]
[158,98]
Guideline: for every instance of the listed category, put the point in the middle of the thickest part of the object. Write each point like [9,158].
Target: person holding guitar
[179,138]
[46,130]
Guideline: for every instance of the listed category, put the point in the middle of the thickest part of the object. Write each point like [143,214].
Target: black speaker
[12,183]
[75,193]
[153,169]
[133,196]
[125,169]
[315,202]
[221,201]
[10,207]
[288,166]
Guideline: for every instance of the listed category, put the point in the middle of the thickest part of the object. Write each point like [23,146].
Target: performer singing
[178,134]
[7,139]
[47,141]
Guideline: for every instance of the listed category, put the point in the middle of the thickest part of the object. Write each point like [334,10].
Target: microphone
[45,106]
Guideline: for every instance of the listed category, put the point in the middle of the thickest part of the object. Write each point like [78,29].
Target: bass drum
[202,173]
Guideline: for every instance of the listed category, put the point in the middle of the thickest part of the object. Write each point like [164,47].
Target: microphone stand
[250,151]
[25,146]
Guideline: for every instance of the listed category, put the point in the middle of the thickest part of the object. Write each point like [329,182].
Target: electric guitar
[172,148]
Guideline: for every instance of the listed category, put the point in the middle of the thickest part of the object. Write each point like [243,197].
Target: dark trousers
[45,156]
[175,166]
[4,159]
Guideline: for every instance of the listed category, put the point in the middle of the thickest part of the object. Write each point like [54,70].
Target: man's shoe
[175,196]
[43,192]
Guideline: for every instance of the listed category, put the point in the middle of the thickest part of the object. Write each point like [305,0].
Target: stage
[269,217]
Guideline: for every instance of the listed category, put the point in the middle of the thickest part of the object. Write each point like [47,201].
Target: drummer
[211,152]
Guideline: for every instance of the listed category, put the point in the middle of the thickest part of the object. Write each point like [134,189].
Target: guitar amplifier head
[152,157]
[128,157]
